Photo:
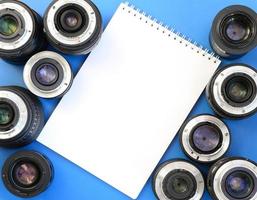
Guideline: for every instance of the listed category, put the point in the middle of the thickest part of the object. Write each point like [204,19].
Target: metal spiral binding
[172,32]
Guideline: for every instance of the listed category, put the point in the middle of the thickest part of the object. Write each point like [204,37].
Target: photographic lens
[239,184]
[73,27]
[232,91]
[21,117]
[8,25]
[21,32]
[204,138]
[178,179]
[48,75]
[234,32]
[237,178]
[27,173]
[6,113]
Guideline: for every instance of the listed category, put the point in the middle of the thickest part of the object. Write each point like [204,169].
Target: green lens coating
[8,25]
[6,114]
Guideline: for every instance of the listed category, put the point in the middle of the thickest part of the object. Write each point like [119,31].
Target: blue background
[191,17]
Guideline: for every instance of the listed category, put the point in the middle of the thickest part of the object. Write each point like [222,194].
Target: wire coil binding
[181,38]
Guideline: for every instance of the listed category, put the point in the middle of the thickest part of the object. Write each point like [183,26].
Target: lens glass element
[237,28]
[71,19]
[6,113]
[206,138]
[26,174]
[239,89]
[47,74]
[179,185]
[8,25]
[239,184]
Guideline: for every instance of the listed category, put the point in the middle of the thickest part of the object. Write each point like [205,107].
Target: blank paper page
[129,100]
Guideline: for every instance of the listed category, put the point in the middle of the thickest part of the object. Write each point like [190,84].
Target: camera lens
[204,138]
[48,75]
[73,27]
[27,173]
[21,32]
[233,178]
[178,180]
[21,117]
[232,91]
[234,31]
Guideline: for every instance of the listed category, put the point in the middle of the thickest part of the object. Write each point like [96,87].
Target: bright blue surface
[191,17]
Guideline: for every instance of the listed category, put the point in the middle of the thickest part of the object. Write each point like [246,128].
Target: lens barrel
[178,180]
[73,27]
[21,116]
[27,173]
[234,31]
[232,91]
[233,178]
[47,74]
[204,138]
[21,32]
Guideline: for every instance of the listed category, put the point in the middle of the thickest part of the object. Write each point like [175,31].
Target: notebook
[129,100]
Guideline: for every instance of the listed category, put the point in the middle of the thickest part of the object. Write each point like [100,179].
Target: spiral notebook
[129,100]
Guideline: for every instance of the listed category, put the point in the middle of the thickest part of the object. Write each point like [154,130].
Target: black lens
[8,25]
[179,185]
[47,74]
[6,113]
[77,26]
[239,89]
[21,116]
[26,174]
[234,31]
[237,28]
[21,32]
[239,184]
[206,138]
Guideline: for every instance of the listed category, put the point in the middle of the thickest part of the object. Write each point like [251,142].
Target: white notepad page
[129,100]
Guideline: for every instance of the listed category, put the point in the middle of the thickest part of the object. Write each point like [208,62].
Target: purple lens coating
[26,174]
[239,184]
[236,30]
[206,138]
[47,74]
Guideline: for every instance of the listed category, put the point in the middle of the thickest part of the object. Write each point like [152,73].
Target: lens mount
[21,33]
[234,31]
[80,39]
[218,90]
[26,117]
[26,29]
[20,113]
[180,169]
[14,181]
[218,145]
[223,169]
[60,77]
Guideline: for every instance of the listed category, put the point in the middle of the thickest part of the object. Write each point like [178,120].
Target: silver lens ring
[190,126]
[71,40]
[170,166]
[217,90]
[224,169]
[65,83]
[23,115]
[28,26]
